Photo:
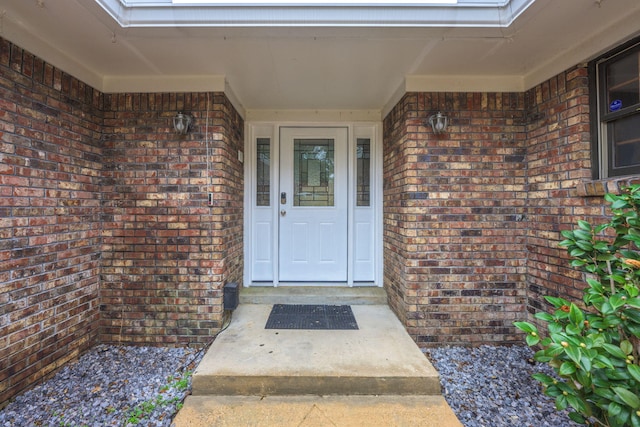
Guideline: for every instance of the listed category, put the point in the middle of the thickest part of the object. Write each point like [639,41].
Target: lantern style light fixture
[438,122]
[181,123]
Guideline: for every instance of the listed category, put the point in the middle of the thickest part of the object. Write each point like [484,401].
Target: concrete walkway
[315,411]
[373,376]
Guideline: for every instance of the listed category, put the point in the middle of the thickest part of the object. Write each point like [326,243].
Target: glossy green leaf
[619,278]
[576,417]
[584,225]
[574,353]
[543,378]
[605,361]
[605,392]
[634,329]
[606,308]
[594,284]
[555,328]
[577,252]
[614,409]
[532,340]
[627,397]
[583,377]
[544,316]
[619,204]
[542,357]
[621,420]
[561,402]
[554,350]
[631,290]
[582,236]
[601,246]
[585,363]
[566,369]
[556,302]
[553,391]
[585,246]
[576,316]
[618,374]
[605,257]
[525,326]
[617,301]
[634,370]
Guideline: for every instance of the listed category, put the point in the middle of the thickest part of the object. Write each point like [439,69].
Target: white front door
[313,205]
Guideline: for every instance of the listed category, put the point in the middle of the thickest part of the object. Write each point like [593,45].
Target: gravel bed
[109,386]
[492,387]
[140,386]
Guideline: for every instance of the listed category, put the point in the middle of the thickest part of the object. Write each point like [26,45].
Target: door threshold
[361,295]
[313,284]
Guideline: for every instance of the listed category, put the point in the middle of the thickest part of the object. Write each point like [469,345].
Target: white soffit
[299,13]
[169,83]
[464,83]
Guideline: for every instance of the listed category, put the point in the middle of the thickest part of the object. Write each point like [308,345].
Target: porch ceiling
[318,66]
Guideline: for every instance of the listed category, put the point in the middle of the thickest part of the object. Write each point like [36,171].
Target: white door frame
[261,223]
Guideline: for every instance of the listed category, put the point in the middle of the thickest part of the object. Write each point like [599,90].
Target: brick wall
[166,253]
[558,158]
[105,230]
[50,165]
[471,217]
[454,237]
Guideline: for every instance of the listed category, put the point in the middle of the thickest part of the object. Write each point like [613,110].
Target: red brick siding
[85,175]
[50,165]
[558,158]
[166,253]
[454,249]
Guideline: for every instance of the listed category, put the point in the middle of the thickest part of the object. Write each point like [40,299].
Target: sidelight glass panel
[313,166]
[263,172]
[363,173]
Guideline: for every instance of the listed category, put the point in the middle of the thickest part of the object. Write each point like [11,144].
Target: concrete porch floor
[375,375]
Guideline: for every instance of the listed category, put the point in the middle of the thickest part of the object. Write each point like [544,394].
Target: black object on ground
[316,317]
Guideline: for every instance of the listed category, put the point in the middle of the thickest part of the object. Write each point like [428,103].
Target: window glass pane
[263,172]
[363,183]
[624,135]
[623,89]
[313,179]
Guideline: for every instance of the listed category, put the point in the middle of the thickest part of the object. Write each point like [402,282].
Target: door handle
[283,212]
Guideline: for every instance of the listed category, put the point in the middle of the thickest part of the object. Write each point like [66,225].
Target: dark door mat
[301,316]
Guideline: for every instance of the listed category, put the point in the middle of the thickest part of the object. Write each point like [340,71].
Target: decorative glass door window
[363,155]
[313,164]
[263,172]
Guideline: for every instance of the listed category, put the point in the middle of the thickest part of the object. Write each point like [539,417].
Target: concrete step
[316,411]
[339,295]
[377,359]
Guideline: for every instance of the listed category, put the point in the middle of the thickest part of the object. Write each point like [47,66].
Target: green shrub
[594,350]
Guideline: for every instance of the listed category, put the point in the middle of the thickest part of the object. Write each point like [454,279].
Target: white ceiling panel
[320,67]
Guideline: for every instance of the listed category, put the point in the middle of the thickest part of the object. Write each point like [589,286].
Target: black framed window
[618,112]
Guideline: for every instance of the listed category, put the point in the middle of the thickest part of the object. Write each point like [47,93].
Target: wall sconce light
[181,123]
[438,122]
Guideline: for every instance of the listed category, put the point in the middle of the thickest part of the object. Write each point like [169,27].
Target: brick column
[50,167]
[559,159]
[454,208]
[167,253]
